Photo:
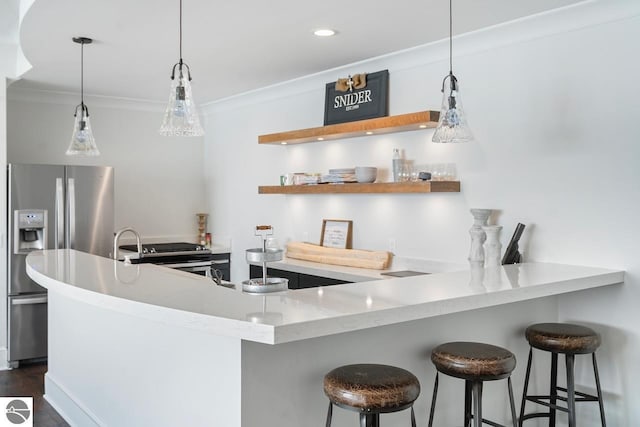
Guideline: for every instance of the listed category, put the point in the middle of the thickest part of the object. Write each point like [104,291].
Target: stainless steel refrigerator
[50,207]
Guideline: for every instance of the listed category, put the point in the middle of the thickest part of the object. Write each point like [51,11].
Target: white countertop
[187,300]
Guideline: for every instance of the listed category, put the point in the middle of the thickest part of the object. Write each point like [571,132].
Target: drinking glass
[438,172]
[449,172]
[415,173]
[405,172]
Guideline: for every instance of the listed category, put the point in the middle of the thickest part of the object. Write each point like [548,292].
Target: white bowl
[366,174]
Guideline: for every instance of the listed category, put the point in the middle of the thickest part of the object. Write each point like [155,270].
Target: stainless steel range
[183,256]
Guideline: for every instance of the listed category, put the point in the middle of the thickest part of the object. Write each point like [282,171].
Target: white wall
[159,184]
[552,101]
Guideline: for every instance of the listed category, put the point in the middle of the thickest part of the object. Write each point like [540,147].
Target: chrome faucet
[116,239]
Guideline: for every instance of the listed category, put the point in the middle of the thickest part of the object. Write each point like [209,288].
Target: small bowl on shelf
[366,174]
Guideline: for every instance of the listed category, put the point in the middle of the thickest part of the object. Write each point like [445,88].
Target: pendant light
[452,125]
[82,141]
[181,117]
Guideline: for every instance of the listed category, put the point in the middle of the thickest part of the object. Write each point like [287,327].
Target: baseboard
[67,405]
[4,363]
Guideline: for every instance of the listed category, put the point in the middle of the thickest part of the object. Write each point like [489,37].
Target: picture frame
[336,233]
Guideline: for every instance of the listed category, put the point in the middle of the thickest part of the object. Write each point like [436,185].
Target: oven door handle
[197,269]
[189,264]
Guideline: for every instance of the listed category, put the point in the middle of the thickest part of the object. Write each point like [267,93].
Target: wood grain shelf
[379,126]
[382,187]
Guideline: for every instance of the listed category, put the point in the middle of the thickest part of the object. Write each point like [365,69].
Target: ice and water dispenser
[30,230]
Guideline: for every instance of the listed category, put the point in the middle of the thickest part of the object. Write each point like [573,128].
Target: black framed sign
[367,99]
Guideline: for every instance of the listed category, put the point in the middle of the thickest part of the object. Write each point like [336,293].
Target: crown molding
[557,21]
[22,94]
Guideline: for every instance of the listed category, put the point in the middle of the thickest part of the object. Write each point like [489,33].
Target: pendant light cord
[82,74]
[180,32]
[450,37]
[82,41]
[180,63]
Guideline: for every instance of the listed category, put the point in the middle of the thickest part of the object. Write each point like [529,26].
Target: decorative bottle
[397,165]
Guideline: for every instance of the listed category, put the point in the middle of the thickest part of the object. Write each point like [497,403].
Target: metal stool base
[370,418]
[473,396]
[570,398]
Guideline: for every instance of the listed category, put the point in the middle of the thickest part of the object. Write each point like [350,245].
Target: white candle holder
[492,245]
[478,236]
[476,282]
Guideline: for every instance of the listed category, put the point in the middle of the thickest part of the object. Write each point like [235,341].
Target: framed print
[336,233]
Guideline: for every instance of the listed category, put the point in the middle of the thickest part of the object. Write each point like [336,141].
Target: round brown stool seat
[371,390]
[568,340]
[473,361]
[563,338]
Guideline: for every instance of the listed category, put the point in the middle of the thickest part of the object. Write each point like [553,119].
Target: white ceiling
[232,46]
[9,11]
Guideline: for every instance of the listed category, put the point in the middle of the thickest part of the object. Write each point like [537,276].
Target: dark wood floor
[28,380]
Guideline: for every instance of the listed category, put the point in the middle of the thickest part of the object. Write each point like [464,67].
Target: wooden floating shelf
[379,126]
[382,187]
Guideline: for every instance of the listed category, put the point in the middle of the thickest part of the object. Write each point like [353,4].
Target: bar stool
[567,339]
[371,390]
[474,363]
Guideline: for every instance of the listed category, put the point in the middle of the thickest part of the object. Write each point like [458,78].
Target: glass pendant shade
[181,116]
[82,141]
[452,125]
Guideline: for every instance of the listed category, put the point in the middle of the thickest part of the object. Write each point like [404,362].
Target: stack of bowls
[365,174]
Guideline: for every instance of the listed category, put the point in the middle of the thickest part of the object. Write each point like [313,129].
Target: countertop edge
[324,327]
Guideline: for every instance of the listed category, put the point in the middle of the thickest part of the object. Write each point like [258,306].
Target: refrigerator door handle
[25,301]
[71,189]
[58,220]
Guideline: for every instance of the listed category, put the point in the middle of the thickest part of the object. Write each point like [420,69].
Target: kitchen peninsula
[144,345]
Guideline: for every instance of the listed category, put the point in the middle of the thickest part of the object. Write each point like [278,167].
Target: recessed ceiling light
[320,139]
[369,133]
[422,126]
[283,143]
[324,32]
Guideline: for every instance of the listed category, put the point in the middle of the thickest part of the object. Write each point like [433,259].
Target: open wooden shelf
[381,125]
[382,187]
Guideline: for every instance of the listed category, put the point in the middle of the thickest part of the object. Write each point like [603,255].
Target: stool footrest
[491,423]
[539,401]
[585,397]
[535,415]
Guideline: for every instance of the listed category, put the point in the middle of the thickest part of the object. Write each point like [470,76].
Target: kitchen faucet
[116,239]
